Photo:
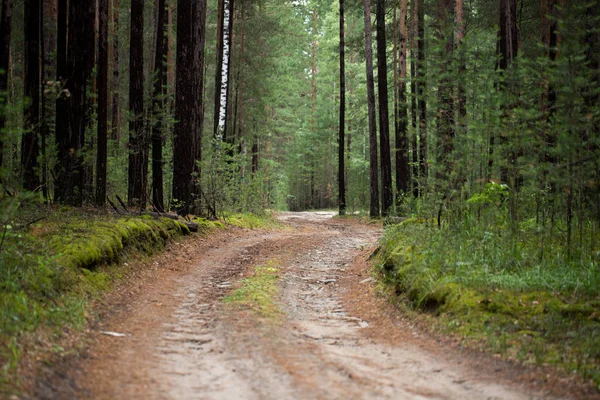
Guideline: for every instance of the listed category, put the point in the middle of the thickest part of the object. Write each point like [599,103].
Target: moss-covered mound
[495,293]
[52,268]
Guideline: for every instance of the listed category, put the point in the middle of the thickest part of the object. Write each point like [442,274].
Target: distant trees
[509,104]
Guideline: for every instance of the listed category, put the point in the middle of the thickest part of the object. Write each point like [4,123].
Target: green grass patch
[51,270]
[251,221]
[258,292]
[492,288]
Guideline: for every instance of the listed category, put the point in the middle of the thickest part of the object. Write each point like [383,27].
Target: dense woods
[205,107]
[470,129]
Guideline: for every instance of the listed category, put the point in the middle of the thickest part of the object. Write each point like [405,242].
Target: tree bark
[341,159]
[102,79]
[461,93]
[138,143]
[219,63]
[198,40]
[5,37]
[421,94]
[183,142]
[445,117]
[402,148]
[31,92]
[384,128]
[225,70]
[116,112]
[373,164]
[158,109]
[78,71]
[413,98]
[63,165]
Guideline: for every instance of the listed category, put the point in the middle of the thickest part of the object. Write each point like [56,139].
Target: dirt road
[330,341]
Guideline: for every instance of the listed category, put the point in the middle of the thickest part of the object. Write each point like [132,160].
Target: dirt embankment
[331,337]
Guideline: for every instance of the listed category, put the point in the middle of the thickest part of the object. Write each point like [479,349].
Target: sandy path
[183,343]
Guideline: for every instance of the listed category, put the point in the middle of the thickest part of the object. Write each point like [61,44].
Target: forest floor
[291,313]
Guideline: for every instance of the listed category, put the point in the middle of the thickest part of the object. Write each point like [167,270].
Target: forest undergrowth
[515,291]
[57,261]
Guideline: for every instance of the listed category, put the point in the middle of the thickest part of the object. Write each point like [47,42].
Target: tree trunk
[102,79]
[138,143]
[421,93]
[461,94]
[5,37]
[31,92]
[158,108]
[48,72]
[78,71]
[384,128]
[183,142]
[219,63]
[63,171]
[198,40]
[445,117]
[341,159]
[402,150]
[116,112]
[225,70]
[413,98]
[373,165]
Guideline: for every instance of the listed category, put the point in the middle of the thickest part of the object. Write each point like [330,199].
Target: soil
[169,335]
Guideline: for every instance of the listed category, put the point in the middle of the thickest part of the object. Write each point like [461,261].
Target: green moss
[258,292]
[465,286]
[251,221]
[49,273]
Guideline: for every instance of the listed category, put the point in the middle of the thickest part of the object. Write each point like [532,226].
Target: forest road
[331,339]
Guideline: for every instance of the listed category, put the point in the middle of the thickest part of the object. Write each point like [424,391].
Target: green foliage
[52,268]
[251,221]
[258,292]
[481,284]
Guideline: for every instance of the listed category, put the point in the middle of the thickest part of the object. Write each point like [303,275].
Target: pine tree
[341,158]
[384,128]
[138,142]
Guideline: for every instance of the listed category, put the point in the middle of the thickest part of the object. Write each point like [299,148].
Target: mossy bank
[496,294]
[52,270]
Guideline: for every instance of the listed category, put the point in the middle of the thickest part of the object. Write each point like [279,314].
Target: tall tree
[74,68]
[183,141]
[63,167]
[158,108]
[401,111]
[384,127]
[460,88]
[5,36]
[225,69]
[413,98]
[29,143]
[219,63]
[373,165]
[421,92]
[341,168]
[102,79]
[138,143]
[116,111]
[198,39]
[445,117]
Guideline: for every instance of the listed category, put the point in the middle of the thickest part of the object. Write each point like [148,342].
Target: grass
[251,221]
[492,288]
[52,269]
[258,292]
